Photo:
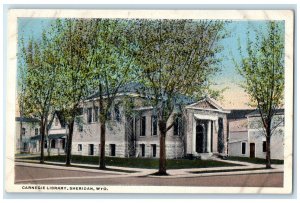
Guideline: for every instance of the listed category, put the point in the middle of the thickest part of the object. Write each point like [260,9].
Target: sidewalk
[115,172]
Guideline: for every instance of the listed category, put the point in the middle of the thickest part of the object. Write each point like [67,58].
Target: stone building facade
[199,131]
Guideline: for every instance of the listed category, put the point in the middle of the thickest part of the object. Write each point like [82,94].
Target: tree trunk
[21,131]
[69,142]
[102,146]
[162,151]
[42,140]
[268,148]
[48,146]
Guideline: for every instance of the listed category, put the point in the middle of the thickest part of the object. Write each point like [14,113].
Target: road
[38,175]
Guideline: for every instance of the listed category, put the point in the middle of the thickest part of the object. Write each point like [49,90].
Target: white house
[238,132]
[247,136]
[257,140]
[24,131]
[56,138]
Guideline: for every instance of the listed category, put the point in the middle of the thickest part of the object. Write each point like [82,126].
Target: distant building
[257,140]
[246,135]
[28,129]
[238,132]
[56,139]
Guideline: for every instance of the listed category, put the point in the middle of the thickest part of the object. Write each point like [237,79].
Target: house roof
[240,140]
[132,87]
[256,113]
[238,125]
[239,113]
[139,89]
[60,117]
[51,136]
[27,119]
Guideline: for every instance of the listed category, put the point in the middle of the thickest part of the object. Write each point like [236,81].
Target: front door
[252,150]
[200,132]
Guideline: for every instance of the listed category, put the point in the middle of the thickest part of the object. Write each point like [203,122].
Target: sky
[234,96]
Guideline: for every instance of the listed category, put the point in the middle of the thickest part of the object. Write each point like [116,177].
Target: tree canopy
[262,68]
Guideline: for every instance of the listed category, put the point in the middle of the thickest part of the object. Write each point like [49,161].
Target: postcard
[150,101]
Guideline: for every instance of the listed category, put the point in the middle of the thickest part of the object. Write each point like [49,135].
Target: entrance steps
[206,156]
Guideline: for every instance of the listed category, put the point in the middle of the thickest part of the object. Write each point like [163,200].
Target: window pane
[264,146]
[89,115]
[154,125]
[176,126]
[96,114]
[243,148]
[143,126]
[154,150]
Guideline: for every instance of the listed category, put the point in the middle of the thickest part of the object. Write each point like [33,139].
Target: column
[193,142]
[208,136]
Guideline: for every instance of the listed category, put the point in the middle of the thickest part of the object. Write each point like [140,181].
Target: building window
[45,144]
[91,149]
[96,114]
[112,150]
[89,115]
[143,126]
[176,126]
[79,147]
[23,131]
[36,131]
[117,113]
[52,144]
[154,150]
[142,150]
[264,146]
[56,121]
[243,148]
[154,125]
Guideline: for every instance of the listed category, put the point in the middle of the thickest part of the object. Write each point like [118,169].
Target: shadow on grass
[254,160]
[78,166]
[229,170]
[146,163]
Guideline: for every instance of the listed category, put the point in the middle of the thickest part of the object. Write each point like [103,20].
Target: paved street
[37,175]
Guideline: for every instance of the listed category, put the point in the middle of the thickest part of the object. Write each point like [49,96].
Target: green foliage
[113,64]
[39,68]
[263,70]
[176,57]
[74,58]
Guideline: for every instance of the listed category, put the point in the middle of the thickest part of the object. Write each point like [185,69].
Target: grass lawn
[229,170]
[138,162]
[254,160]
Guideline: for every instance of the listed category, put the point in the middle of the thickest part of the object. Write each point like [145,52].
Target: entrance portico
[207,129]
[203,131]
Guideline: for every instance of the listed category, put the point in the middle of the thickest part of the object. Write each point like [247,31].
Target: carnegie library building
[202,129]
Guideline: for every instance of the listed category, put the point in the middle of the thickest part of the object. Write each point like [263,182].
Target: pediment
[206,103]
